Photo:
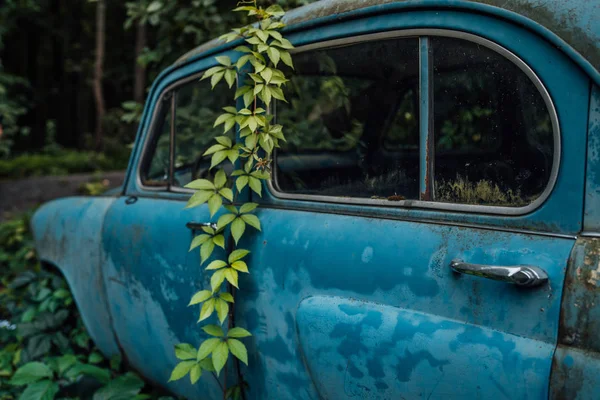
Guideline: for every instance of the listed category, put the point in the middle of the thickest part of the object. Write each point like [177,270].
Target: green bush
[45,351]
[62,162]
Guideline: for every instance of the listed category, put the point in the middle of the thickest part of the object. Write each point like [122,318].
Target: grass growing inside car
[45,351]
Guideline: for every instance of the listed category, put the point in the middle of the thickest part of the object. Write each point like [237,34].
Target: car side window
[196,107]
[352,122]
[493,135]
[354,128]
[155,164]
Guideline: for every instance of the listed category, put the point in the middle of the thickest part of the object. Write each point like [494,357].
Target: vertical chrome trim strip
[172,140]
[426,140]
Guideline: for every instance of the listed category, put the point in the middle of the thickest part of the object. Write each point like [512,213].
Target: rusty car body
[450,252]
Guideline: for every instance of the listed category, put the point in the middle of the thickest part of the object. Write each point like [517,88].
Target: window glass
[352,122]
[493,134]
[196,109]
[155,170]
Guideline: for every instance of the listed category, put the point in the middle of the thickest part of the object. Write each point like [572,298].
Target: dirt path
[20,195]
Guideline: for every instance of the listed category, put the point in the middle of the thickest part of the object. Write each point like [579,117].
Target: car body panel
[68,235]
[426,355]
[591,217]
[353,300]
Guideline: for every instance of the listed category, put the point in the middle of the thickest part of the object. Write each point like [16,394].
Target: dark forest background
[74,74]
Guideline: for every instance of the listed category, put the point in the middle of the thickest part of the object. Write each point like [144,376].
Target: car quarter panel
[68,235]
[591,217]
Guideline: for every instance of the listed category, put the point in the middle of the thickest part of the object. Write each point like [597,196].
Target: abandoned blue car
[431,230]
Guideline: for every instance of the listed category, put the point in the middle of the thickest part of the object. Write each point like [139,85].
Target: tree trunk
[140,70]
[98,70]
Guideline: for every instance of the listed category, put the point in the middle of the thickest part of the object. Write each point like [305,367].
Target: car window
[493,134]
[353,126]
[352,122]
[155,167]
[197,107]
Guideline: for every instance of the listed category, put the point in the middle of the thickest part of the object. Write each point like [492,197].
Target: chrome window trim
[150,133]
[499,210]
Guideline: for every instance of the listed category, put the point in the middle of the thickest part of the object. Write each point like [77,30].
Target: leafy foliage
[264,49]
[45,352]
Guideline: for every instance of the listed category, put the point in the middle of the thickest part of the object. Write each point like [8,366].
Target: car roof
[571,24]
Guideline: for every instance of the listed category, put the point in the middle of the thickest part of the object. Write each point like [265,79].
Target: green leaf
[199,198]
[240,266]
[30,373]
[95,358]
[217,264]
[223,60]
[278,94]
[154,7]
[228,125]
[220,179]
[195,373]
[222,309]
[207,364]
[275,10]
[219,356]
[262,35]
[198,240]
[214,330]
[238,349]
[43,390]
[211,71]
[232,276]
[237,255]
[248,98]
[207,347]
[238,333]
[65,362]
[251,220]
[216,78]
[225,220]
[267,74]
[243,60]
[221,119]
[207,309]
[217,278]
[181,370]
[286,58]
[226,193]
[218,158]
[101,374]
[185,351]
[241,182]
[206,250]
[226,296]
[214,203]
[247,207]
[261,175]
[214,149]
[219,240]
[255,185]
[230,77]
[238,226]
[201,296]
[274,55]
[231,209]
[224,140]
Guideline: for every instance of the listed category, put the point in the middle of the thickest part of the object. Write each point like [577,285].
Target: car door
[351,292]
[150,275]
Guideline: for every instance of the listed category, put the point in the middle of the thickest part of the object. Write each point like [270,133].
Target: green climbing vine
[264,49]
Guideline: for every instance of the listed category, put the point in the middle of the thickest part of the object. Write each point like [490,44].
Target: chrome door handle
[196,226]
[520,275]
